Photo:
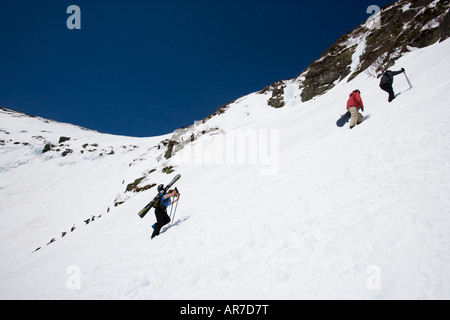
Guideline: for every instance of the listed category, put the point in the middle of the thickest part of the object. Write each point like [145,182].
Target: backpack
[161,193]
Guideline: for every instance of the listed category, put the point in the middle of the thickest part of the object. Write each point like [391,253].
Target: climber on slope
[162,218]
[387,80]
[354,104]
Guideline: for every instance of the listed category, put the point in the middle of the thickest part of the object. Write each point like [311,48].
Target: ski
[147,208]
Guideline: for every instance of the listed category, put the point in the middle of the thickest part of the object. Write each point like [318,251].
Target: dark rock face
[63,139]
[323,73]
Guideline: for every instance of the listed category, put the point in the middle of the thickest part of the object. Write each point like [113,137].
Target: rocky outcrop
[373,46]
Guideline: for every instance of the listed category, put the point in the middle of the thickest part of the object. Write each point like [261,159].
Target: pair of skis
[150,205]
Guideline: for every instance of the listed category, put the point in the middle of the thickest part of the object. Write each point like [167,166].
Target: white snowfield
[300,209]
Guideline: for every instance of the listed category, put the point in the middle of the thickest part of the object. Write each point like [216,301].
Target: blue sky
[145,68]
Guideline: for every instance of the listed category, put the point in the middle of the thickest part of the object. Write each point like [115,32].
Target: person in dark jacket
[162,218]
[387,80]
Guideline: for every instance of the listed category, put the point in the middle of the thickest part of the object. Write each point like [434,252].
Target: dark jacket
[388,77]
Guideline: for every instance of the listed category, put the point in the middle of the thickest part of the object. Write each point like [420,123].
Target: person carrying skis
[354,104]
[162,218]
[387,80]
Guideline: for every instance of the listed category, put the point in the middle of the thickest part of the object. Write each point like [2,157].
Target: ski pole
[171,209]
[176,207]
[171,206]
[407,79]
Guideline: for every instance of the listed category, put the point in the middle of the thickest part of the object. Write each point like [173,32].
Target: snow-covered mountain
[276,203]
[372,47]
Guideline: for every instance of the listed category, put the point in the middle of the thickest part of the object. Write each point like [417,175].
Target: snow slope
[307,210]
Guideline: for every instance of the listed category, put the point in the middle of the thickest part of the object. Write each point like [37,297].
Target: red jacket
[355,101]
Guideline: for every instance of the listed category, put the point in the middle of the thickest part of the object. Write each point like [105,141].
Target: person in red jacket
[354,104]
